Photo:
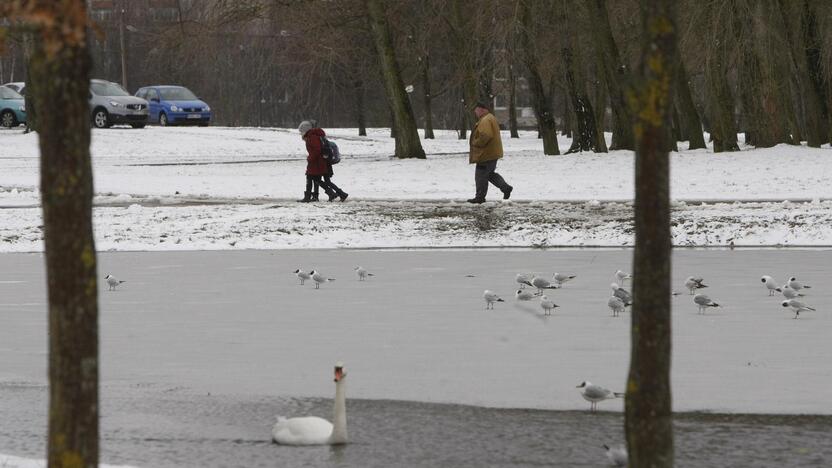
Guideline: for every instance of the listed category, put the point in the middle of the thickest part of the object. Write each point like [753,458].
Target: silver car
[112,105]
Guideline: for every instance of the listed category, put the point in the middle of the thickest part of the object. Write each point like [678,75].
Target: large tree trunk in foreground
[648,409]
[407,135]
[59,79]
[540,99]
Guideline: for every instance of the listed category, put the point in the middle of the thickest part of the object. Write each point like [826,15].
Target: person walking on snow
[317,167]
[486,147]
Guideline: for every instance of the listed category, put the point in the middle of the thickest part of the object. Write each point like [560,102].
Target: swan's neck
[339,420]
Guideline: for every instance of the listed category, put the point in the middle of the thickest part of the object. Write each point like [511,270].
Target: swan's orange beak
[339,374]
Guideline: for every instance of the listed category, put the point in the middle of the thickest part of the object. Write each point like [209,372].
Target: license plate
[194,116]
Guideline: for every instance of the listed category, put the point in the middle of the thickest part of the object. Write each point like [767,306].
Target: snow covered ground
[224,188]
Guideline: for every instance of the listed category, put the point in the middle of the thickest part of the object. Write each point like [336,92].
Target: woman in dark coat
[317,167]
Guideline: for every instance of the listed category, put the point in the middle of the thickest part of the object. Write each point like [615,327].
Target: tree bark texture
[615,75]
[720,101]
[541,102]
[512,103]
[648,409]
[427,98]
[407,135]
[59,78]
[584,137]
[690,124]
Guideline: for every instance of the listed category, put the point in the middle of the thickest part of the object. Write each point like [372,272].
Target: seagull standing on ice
[790,293]
[112,282]
[622,294]
[796,285]
[769,283]
[797,306]
[319,278]
[362,273]
[596,393]
[302,275]
[490,299]
[616,455]
[542,283]
[703,302]
[547,305]
[620,276]
[524,279]
[561,278]
[694,283]
[522,295]
[616,305]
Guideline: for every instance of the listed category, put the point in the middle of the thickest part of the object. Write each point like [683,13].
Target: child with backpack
[322,154]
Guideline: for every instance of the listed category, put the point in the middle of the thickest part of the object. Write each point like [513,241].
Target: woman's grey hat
[304,127]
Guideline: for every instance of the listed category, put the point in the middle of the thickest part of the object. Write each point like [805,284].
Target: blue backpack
[330,151]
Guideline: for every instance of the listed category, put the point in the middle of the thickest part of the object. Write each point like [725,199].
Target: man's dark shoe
[507,193]
[477,200]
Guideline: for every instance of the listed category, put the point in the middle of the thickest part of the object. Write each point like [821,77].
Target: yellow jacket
[486,144]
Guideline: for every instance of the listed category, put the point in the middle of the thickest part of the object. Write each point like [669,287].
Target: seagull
[622,294]
[616,304]
[319,278]
[694,283]
[616,455]
[490,299]
[596,393]
[302,275]
[797,285]
[790,293]
[768,281]
[542,283]
[362,273]
[547,305]
[620,276]
[797,306]
[112,282]
[521,295]
[561,278]
[523,279]
[703,302]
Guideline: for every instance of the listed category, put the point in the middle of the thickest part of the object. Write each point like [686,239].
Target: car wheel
[8,120]
[100,118]
[163,119]
[137,125]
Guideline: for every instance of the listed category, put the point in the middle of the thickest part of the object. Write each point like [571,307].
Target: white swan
[312,430]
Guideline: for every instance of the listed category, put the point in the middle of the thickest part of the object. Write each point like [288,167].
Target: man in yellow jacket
[486,148]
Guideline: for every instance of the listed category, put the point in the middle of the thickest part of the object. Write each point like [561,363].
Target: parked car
[12,108]
[18,86]
[174,105]
[110,105]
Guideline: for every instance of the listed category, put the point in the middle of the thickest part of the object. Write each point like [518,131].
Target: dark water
[170,427]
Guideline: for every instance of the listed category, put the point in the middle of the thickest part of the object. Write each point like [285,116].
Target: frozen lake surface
[200,350]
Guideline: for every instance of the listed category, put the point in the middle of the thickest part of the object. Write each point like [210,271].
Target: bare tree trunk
[689,122]
[360,108]
[648,408]
[585,139]
[720,104]
[540,99]
[512,103]
[59,78]
[427,98]
[463,118]
[809,27]
[615,75]
[407,135]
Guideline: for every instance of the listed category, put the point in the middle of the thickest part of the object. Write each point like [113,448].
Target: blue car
[12,108]
[175,105]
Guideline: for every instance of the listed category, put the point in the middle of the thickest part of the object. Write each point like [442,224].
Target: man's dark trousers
[484,174]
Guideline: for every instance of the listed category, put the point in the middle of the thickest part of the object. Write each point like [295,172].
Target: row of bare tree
[758,67]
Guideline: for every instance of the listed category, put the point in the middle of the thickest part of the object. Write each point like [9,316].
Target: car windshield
[107,89]
[8,93]
[177,94]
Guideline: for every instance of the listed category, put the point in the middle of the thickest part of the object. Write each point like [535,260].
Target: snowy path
[130,224]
